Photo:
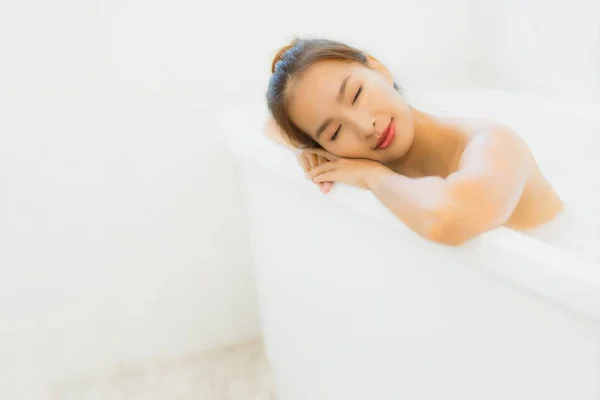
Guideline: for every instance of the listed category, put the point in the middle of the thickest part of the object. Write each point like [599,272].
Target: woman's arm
[479,196]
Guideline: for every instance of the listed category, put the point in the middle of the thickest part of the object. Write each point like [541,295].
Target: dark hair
[288,65]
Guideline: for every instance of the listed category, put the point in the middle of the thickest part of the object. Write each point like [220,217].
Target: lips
[388,136]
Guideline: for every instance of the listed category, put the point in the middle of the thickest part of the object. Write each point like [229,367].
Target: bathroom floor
[238,372]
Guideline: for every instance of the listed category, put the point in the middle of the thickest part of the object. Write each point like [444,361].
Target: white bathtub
[355,306]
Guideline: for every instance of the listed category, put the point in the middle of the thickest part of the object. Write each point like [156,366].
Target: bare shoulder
[475,126]
[273,132]
[490,133]
[492,144]
[270,128]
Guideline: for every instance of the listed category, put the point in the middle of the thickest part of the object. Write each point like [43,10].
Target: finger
[326,185]
[304,163]
[313,160]
[321,160]
[328,176]
[309,160]
[329,166]
[324,154]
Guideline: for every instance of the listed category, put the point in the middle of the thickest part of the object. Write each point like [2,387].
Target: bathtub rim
[564,277]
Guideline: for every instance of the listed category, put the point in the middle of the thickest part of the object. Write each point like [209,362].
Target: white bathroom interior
[126,267]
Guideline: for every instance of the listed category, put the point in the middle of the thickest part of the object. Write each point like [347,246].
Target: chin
[398,149]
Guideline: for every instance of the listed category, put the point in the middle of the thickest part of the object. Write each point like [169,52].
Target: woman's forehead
[324,75]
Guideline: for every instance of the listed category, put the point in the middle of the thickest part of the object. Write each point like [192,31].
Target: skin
[448,180]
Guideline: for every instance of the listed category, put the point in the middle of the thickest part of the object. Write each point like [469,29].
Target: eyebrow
[343,88]
[323,126]
[340,96]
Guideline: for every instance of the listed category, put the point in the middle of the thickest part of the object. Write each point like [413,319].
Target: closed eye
[336,133]
[357,94]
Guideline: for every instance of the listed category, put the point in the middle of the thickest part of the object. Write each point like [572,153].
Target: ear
[379,67]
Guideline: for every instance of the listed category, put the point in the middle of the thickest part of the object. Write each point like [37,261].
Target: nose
[367,127]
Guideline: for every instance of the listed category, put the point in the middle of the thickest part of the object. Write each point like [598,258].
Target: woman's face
[352,111]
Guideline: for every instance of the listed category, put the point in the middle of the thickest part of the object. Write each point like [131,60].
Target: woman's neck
[436,147]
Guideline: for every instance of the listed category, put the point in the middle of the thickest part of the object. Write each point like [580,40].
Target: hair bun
[281,52]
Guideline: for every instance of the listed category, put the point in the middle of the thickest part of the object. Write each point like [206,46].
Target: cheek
[407,122]
[348,148]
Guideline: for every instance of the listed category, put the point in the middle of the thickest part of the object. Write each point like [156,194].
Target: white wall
[122,235]
[549,47]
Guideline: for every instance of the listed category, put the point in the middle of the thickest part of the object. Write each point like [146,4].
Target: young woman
[448,180]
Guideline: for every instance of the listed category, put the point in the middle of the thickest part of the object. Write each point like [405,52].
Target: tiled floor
[235,373]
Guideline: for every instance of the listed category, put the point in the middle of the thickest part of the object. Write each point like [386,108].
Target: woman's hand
[356,172]
[309,161]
